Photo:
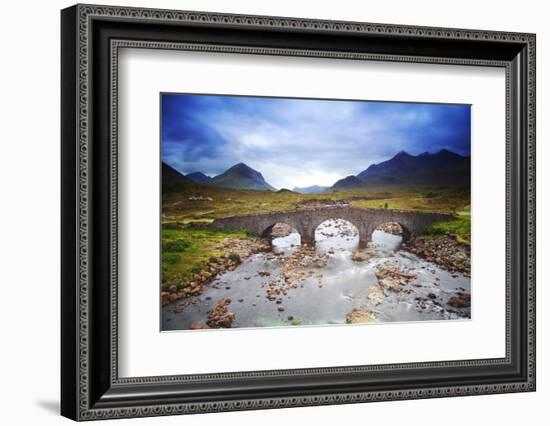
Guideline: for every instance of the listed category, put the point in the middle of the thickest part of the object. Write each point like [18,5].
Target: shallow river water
[326,294]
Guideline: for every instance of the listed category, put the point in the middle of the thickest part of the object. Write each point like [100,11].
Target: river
[328,287]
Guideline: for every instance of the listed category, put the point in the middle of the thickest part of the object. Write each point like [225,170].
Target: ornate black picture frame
[91,387]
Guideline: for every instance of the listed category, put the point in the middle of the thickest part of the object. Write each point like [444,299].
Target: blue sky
[297,142]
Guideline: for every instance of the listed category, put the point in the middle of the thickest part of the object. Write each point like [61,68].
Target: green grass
[422,199]
[188,250]
[461,227]
[176,245]
[431,194]
[229,202]
[171,258]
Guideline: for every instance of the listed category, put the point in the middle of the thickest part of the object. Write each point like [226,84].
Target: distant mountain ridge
[314,189]
[348,182]
[239,176]
[405,164]
[441,168]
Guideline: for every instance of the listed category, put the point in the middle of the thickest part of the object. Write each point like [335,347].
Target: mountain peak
[241,176]
[446,151]
[402,153]
[171,177]
[241,166]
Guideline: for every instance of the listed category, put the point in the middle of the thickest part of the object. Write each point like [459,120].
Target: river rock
[219,316]
[198,326]
[376,295]
[360,316]
[391,278]
[360,256]
[461,300]
[445,251]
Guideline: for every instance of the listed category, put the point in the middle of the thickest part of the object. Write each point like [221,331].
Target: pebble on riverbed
[360,256]
[444,251]
[392,278]
[376,295]
[360,316]
[198,326]
[461,300]
[219,316]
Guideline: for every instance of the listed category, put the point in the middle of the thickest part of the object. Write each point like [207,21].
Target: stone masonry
[306,220]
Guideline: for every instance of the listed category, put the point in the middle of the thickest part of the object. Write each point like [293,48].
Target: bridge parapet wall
[306,221]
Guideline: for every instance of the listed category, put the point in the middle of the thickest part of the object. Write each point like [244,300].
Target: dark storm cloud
[297,142]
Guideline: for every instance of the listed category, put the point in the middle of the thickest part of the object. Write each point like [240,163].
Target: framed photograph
[240,251]
[263,212]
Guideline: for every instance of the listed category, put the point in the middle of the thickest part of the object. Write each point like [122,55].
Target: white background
[141,344]
[29,225]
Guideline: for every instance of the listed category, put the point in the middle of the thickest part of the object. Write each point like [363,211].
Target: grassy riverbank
[205,203]
[188,251]
[459,228]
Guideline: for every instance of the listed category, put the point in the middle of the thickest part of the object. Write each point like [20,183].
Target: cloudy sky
[296,142]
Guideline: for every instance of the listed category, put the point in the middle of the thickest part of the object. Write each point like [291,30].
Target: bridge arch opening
[388,236]
[283,237]
[336,234]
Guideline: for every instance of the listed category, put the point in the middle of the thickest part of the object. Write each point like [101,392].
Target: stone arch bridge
[306,220]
